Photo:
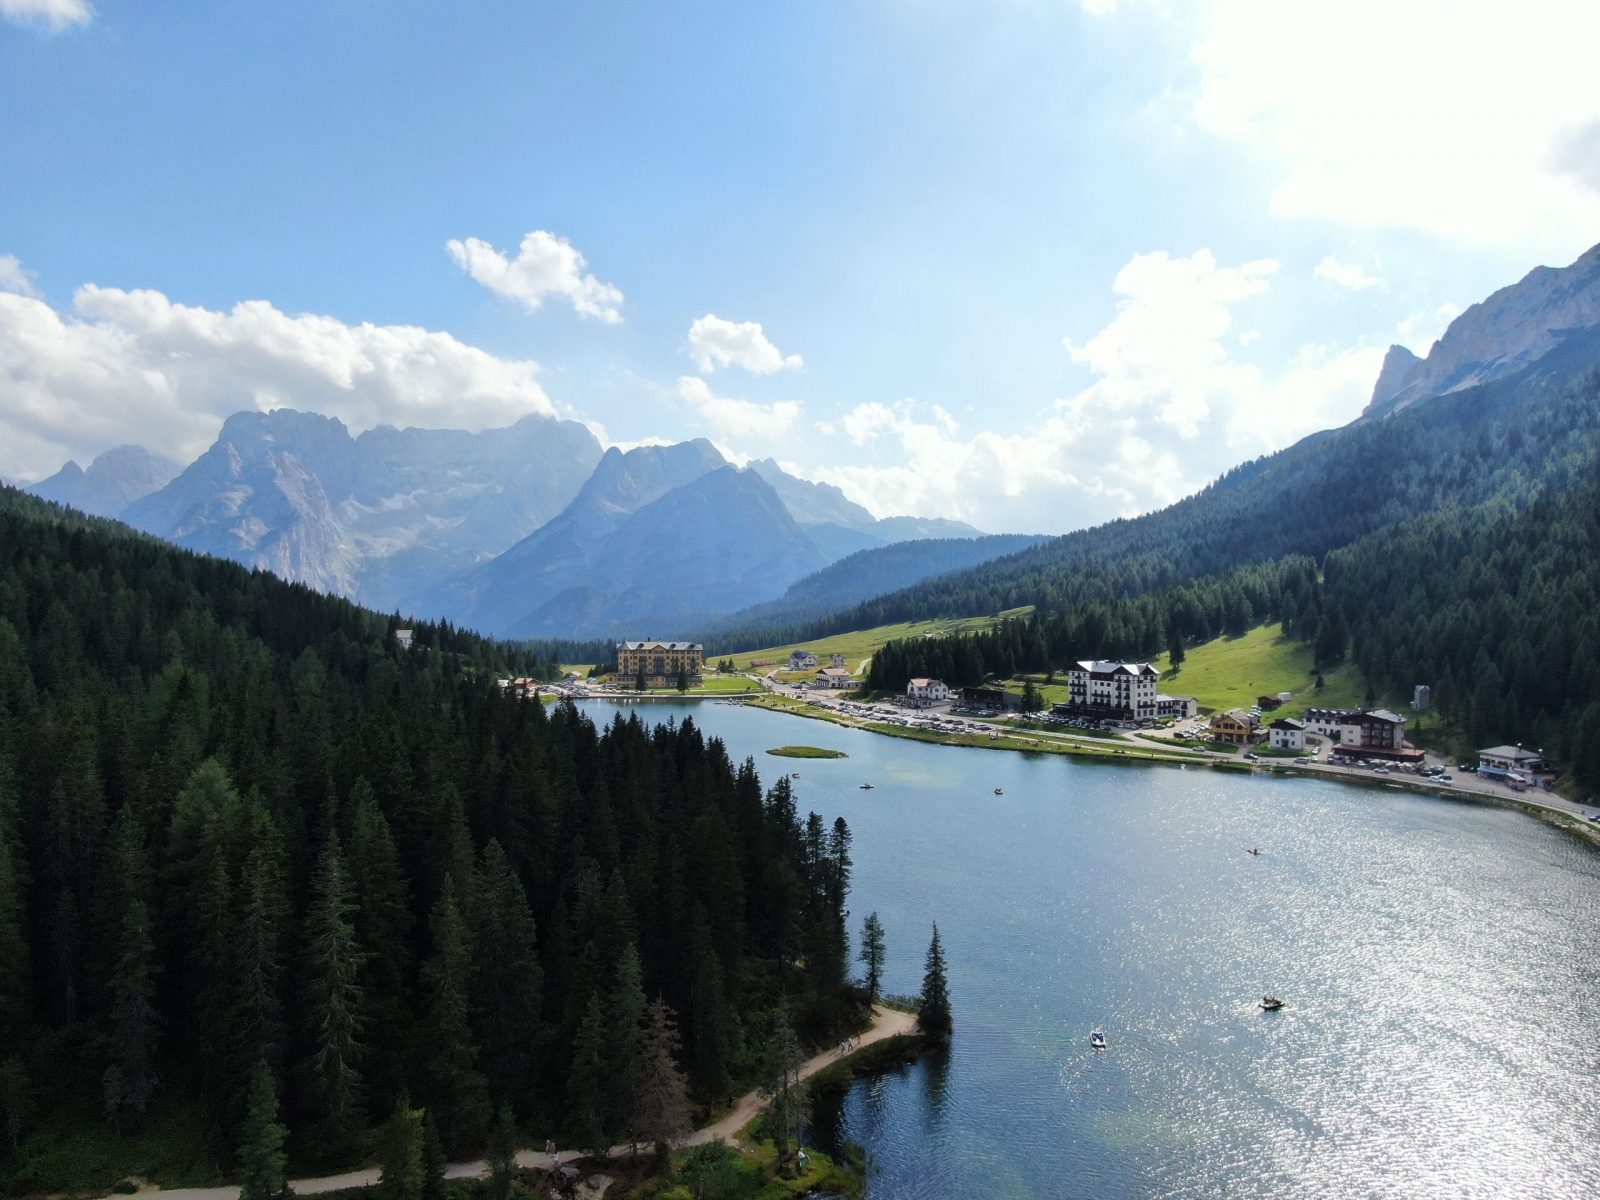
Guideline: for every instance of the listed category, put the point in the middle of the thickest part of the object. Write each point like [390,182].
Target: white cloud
[730,417]
[1345,275]
[53,15]
[545,265]
[133,366]
[715,343]
[15,278]
[1452,117]
[1169,408]
[1163,351]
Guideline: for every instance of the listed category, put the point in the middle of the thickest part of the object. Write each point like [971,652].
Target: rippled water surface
[1438,959]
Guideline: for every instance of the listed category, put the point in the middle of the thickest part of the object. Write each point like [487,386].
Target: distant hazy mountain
[1515,326]
[874,572]
[384,518]
[840,527]
[113,481]
[720,542]
[558,556]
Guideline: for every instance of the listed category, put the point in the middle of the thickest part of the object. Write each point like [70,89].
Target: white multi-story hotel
[922,692]
[1113,689]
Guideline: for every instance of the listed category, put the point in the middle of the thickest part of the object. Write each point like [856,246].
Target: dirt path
[886,1023]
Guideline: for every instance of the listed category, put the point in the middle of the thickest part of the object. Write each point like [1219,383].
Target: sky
[1033,264]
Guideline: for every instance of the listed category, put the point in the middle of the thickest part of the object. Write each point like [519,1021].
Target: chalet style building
[834,677]
[1184,708]
[1287,734]
[802,660]
[661,664]
[920,693]
[1117,691]
[1237,727]
[1354,728]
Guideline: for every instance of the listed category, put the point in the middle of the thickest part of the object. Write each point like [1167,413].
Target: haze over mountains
[527,530]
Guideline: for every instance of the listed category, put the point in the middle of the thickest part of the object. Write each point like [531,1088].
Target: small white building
[923,692]
[1287,734]
[1422,698]
[834,678]
[402,638]
[1185,708]
[802,660]
[836,661]
[1510,761]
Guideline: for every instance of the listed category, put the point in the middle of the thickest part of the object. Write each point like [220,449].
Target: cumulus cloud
[1345,275]
[53,15]
[715,343]
[730,417]
[15,278]
[545,265]
[1381,118]
[1163,351]
[134,366]
[1169,405]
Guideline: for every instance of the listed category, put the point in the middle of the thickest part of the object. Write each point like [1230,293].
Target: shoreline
[1561,818]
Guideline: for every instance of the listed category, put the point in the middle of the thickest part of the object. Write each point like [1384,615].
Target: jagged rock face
[1514,327]
[384,518]
[113,481]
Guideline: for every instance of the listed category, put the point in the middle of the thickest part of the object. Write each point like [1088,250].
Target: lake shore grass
[806,752]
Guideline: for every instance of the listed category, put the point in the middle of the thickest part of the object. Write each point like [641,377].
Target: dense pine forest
[239,825]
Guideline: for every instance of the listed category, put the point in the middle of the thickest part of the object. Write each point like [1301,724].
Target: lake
[1441,1035]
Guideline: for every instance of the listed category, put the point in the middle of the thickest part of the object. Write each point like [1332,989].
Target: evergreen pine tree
[401,1174]
[507,982]
[712,1026]
[433,1160]
[873,955]
[261,1156]
[783,1089]
[502,1156]
[332,1004]
[624,1035]
[460,1098]
[131,1077]
[934,1013]
[585,1116]
[662,1099]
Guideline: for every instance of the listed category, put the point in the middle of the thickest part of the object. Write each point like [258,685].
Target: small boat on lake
[866,787]
[999,791]
[1270,1004]
[1256,853]
[1097,1040]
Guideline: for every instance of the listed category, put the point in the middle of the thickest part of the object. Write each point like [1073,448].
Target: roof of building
[1239,715]
[834,672]
[921,683]
[1516,753]
[1288,723]
[1160,696]
[1102,666]
[647,645]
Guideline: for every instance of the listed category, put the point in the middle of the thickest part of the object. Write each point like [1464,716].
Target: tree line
[242,831]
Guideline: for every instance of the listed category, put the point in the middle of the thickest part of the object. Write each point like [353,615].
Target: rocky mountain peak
[1515,326]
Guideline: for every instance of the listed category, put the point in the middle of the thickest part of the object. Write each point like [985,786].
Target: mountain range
[528,530]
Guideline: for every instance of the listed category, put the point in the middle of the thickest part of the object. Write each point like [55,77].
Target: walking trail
[886,1023]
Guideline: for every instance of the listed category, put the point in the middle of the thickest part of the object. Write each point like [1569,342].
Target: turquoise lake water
[1438,958]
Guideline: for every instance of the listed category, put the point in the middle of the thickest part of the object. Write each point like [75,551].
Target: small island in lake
[807,752]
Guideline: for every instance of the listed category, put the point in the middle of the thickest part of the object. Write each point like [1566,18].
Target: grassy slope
[861,644]
[1232,672]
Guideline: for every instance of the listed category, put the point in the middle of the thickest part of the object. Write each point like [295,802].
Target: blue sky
[1034,264]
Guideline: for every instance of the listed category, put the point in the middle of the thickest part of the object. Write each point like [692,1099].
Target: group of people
[849,1045]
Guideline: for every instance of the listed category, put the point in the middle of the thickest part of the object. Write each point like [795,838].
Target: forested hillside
[1500,439]
[239,825]
[1484,583]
